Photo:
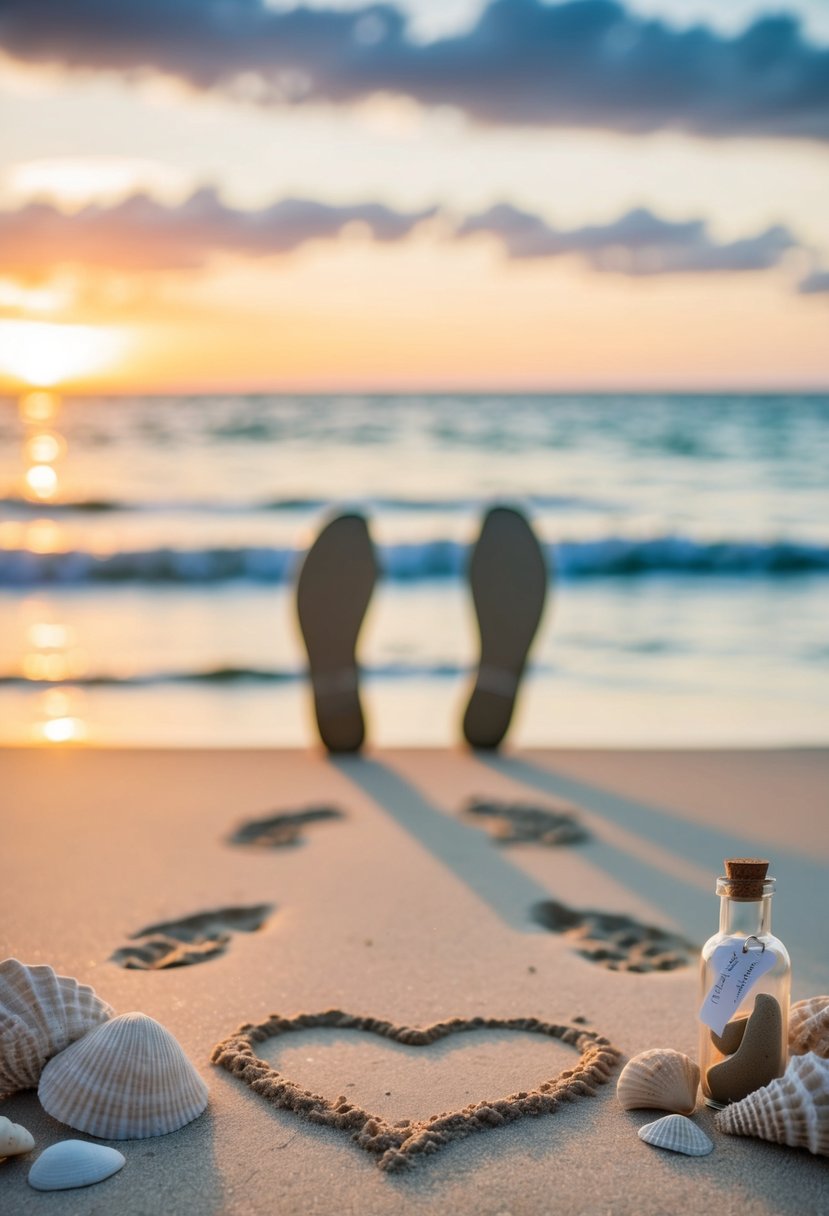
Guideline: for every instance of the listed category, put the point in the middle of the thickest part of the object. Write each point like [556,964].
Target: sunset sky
[229,195]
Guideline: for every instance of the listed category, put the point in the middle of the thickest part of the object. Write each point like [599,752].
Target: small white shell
[14,1139]
[74,1163]
[660,1079]
[41,1013]
[809,1027]
[678,1135]
[125,1080]
[792,1109]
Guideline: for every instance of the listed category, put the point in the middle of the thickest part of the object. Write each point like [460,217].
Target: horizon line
[68,392]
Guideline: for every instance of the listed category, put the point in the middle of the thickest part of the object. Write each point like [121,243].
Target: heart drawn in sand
[396,1146]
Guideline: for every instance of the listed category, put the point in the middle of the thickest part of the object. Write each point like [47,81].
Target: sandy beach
[404,908]
[414,541]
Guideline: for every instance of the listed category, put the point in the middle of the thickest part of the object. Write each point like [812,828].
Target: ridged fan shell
[659,1079]
[14,1139]
[677,1134]
[809,1027]
[792,1109]
[126,1080]
[21,1056]
[74,1163]
[41,1013]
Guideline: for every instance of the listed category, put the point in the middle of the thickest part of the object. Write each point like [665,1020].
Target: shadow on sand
[801,882]
[685,900]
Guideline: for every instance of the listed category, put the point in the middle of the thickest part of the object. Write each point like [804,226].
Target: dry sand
[406,910]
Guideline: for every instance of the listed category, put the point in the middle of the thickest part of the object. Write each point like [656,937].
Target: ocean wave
[620,557]
[25,508]
[612,557]
[228,676]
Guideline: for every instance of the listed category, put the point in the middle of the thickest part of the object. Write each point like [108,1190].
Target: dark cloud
[815,283]
[587,63]
[638,243]
[143,234]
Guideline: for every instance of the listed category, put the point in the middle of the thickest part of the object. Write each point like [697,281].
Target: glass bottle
[745,987]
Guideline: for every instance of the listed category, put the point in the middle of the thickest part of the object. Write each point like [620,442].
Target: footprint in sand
[193,939]
[524,823]
[282,829]
[616,942]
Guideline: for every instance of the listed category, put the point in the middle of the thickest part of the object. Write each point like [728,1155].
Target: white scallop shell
[677,1134]
[792,1109]
[661,1079]
[74,1163]
[14,1139]
[809,1026]
[41,1013]
[125,1080]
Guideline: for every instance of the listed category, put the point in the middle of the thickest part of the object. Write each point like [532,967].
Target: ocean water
[148,548]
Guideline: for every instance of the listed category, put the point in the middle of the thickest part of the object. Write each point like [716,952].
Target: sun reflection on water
[44,447]
[38,406]
[63,730]
[41,481]
[46,635]
[51,655]
[43,536]
[41,448]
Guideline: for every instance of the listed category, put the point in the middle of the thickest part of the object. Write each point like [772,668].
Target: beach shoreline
[405,908]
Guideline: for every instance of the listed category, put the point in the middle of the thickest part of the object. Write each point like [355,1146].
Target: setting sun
[44,355]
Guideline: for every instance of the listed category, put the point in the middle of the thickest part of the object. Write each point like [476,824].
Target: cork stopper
[746,877]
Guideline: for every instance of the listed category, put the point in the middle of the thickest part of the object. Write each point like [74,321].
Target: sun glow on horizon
[43,355]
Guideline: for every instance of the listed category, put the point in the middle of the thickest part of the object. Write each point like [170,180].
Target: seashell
[660,1078]
[809,1027]
[14,1139]
[41,1013]
[792,1109]
[74,1163]
[125,1080]
[21,1055]
[678,1135]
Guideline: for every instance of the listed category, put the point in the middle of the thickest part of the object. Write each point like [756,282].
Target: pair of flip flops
[508,576]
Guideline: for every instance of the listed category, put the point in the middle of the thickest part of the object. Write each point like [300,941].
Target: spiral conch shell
[809,1027]
[41,1013]
[660,1079]
[126,1080]
[792,1109]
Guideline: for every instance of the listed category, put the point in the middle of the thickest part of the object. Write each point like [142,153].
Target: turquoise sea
[146,597]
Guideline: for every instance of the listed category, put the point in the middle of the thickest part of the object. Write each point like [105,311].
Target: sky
[229,195]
